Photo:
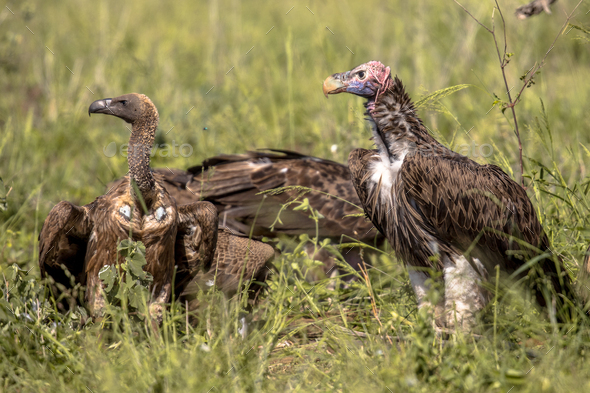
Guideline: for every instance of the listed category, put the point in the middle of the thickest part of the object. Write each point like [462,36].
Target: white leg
[464,295]
[418,280]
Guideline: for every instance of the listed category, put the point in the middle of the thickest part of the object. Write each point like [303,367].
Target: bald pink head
[378,71]
[366,80]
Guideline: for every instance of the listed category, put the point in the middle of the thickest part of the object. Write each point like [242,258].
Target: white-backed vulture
[83,239]
[234,183]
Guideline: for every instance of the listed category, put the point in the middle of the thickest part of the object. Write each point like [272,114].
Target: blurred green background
[228,76]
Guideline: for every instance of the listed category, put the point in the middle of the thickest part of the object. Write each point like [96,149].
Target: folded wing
[63,242]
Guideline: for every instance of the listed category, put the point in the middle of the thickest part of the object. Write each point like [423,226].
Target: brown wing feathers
[359,161]
[196,241]
[235,181]
[237,260]
[197,235]
[83,240]
[63,241]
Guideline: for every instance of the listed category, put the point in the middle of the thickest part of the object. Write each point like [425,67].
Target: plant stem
[503,64]
[528,76]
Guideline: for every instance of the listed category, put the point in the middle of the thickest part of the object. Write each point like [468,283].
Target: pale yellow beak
[333,85]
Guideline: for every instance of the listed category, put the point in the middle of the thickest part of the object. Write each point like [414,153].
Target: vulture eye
[124,102]
[362,75]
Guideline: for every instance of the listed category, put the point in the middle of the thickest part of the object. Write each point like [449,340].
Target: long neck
[397,130]
[140,145]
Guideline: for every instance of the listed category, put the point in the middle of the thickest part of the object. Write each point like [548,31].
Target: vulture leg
[464,296]
[421,285]
[62,248]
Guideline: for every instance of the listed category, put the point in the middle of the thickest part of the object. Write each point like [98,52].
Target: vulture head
[129,107]
[366,80]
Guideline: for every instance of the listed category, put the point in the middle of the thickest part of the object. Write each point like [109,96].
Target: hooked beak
[100,106]
[333,85]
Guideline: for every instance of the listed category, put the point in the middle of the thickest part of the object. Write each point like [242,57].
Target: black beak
[100,106]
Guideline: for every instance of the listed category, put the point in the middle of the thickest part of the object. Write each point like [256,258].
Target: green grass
[301,337]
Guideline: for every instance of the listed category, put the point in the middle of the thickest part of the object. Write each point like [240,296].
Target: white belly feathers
[385,173]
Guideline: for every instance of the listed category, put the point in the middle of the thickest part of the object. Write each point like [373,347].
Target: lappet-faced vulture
[443,211]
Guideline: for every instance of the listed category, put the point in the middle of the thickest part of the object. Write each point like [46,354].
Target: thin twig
[528,76]
[474,18]
[503,64]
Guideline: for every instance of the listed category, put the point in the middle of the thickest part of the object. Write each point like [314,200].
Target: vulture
[234,183]
[440,210]
[83,239]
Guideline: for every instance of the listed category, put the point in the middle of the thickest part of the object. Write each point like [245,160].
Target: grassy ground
[228,76]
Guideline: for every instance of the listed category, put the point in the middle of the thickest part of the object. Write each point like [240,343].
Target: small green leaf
[108,275]
[140,247]
[124,287]
[136,264]
[136,296]
[125,246]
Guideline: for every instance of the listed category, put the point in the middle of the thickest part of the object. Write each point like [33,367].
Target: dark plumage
[235,256]
[233,183]
[437,208]
[84,239]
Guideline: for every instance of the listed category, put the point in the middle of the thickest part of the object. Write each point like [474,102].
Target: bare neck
[140,144]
